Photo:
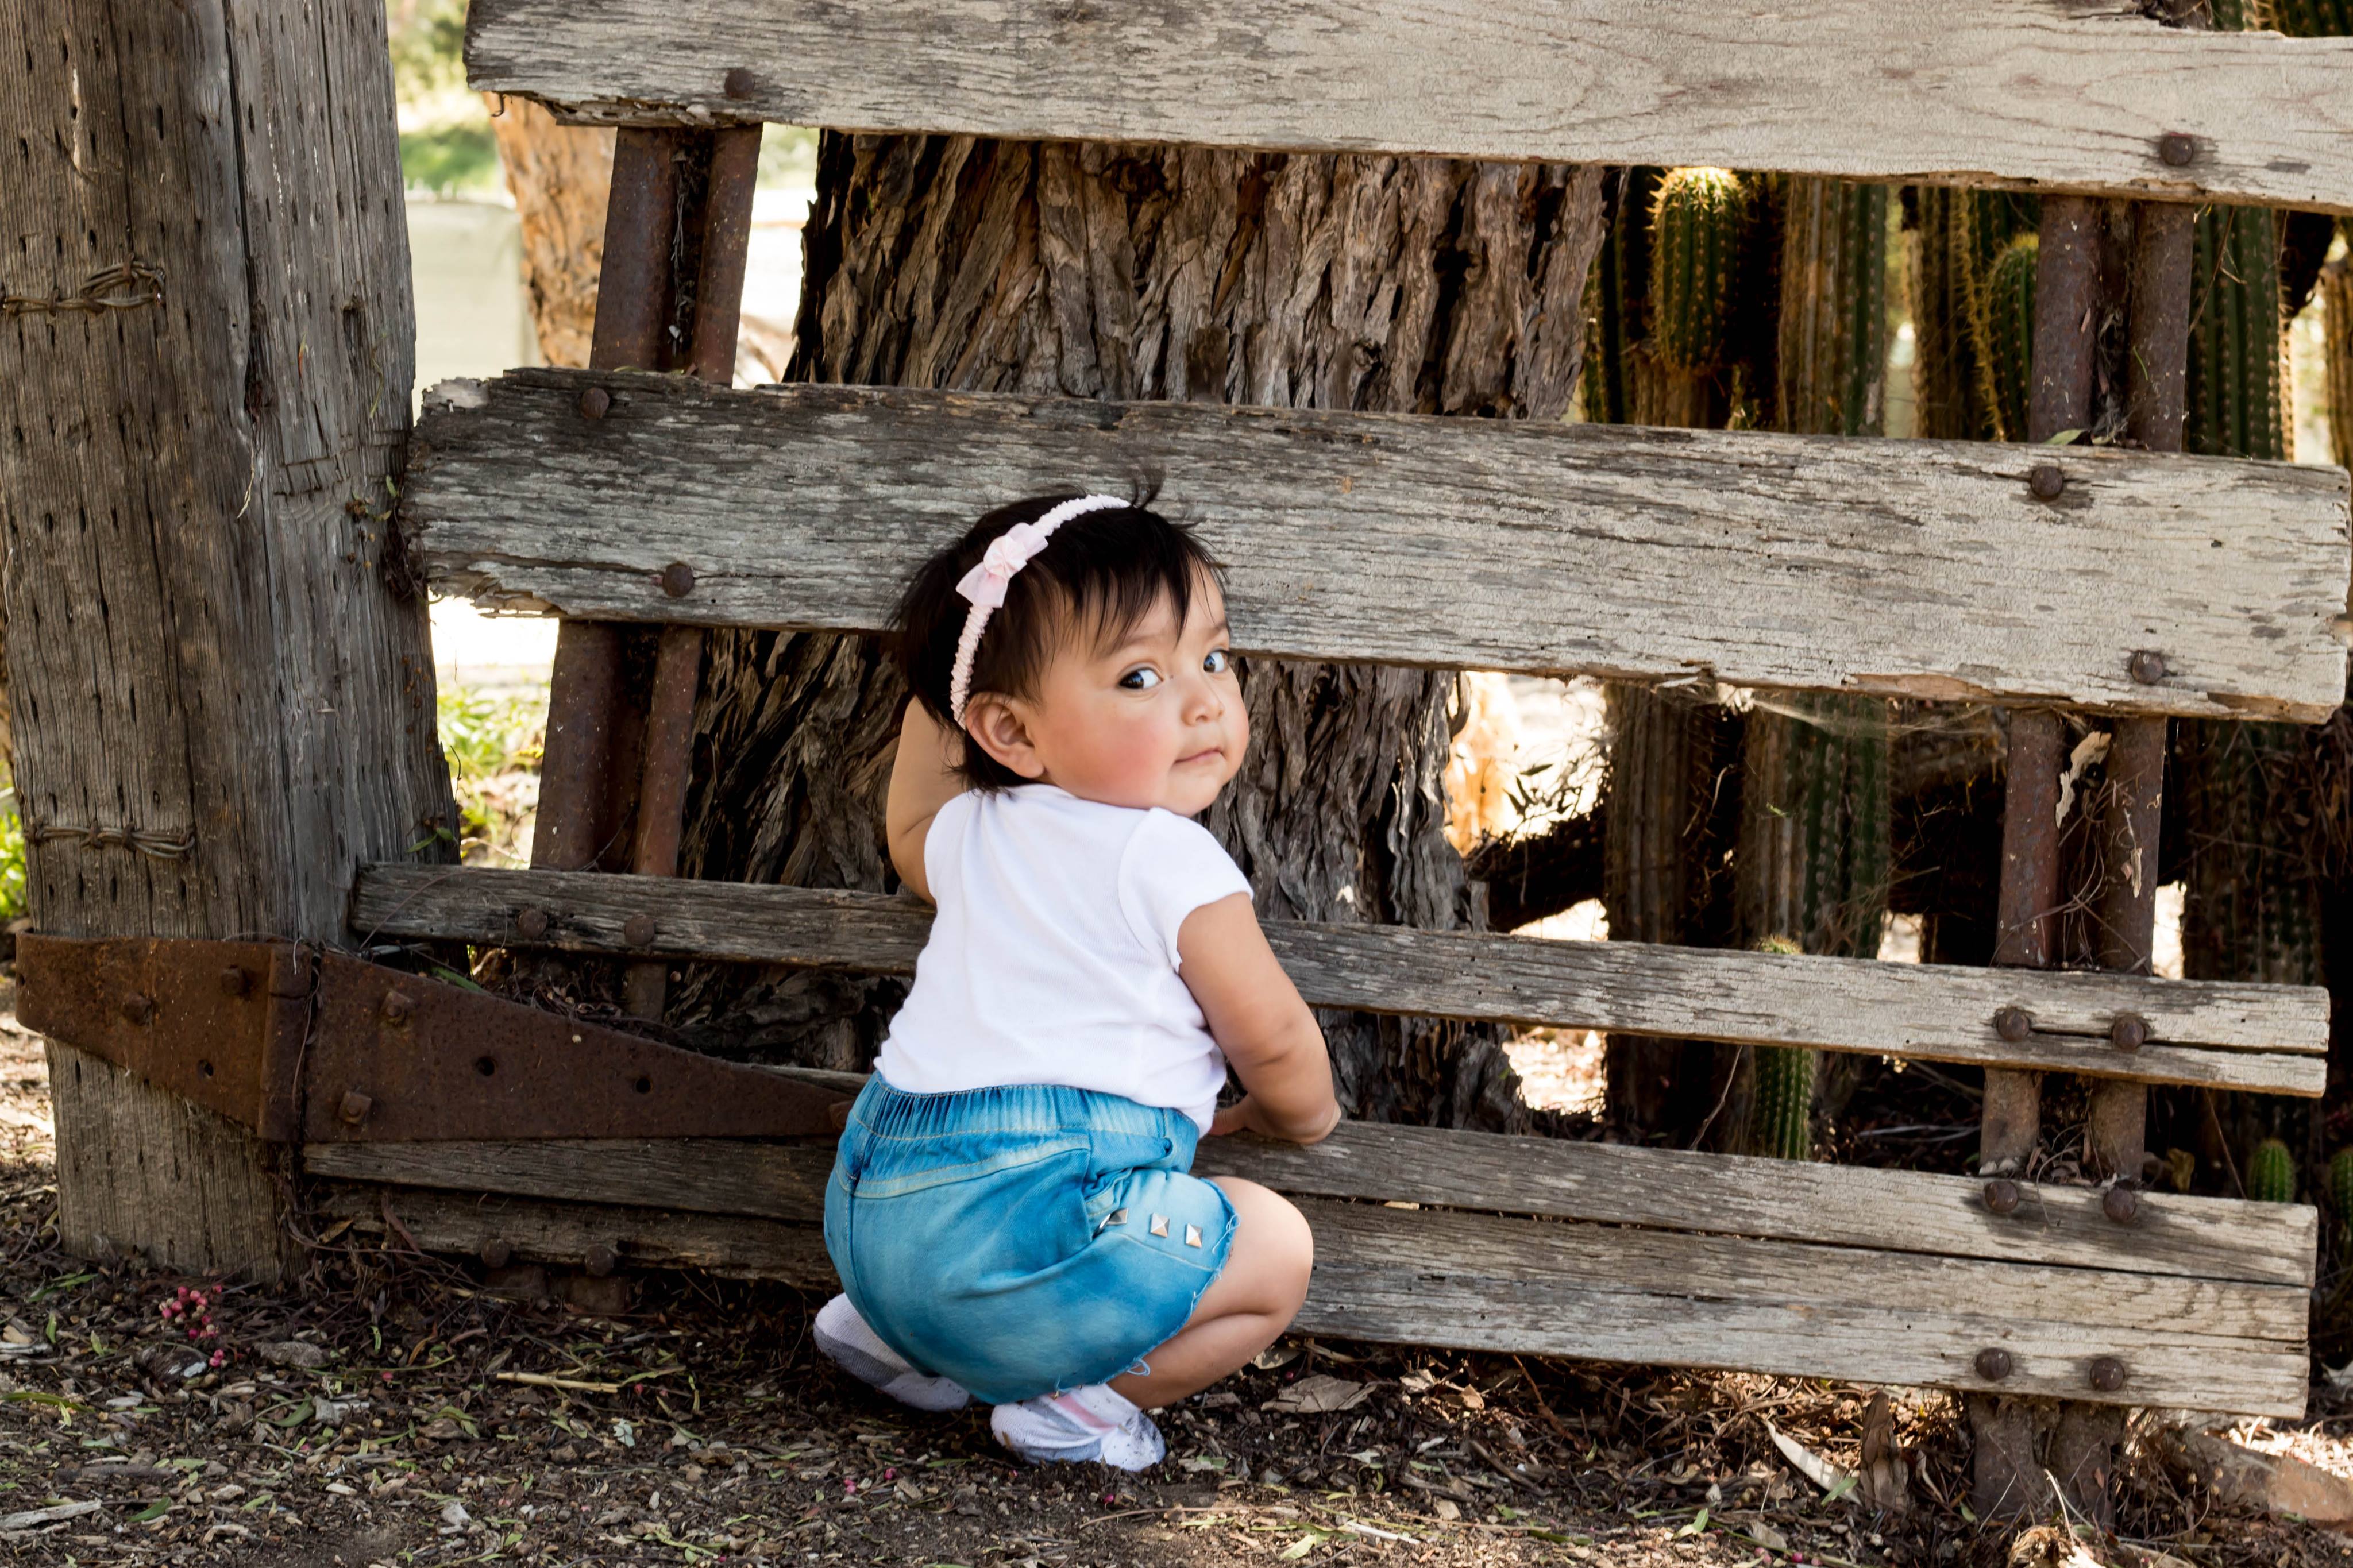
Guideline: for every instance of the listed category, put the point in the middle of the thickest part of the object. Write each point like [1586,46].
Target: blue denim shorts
[1023,1240]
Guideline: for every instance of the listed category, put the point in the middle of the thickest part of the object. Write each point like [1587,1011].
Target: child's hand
[1246,1115]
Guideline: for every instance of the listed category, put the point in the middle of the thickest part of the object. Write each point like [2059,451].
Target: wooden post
[224,689]
[2008,1473]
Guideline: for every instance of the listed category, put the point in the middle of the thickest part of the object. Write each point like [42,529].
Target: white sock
[856,1349]
[1096,1422]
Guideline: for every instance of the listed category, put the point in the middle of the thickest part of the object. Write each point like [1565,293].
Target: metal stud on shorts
[1192,1235]
[1160,1224]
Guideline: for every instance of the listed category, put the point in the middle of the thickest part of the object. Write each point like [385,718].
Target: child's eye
[1144,678]
[1217,660]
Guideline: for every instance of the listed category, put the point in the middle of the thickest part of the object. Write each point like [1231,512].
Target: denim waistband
[883,1110]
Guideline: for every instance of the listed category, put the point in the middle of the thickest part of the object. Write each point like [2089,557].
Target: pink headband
[984,584]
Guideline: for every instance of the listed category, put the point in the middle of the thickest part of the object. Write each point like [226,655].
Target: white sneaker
[858,1350]
[1096,1422]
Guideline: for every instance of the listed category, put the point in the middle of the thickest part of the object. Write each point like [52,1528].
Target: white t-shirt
[1053,956]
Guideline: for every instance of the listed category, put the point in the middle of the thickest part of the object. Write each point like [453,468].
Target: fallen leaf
[1319,1395]
[1811,1464]
[1445,1510]
[297,1354]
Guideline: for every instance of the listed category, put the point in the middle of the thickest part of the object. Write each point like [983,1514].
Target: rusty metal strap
[306,1046]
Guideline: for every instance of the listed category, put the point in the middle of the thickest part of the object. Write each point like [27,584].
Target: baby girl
[1011,1210]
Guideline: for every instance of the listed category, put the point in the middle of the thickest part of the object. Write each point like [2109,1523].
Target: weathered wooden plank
[1486,1281]
[1786,1199]
[1860,565]
[2272,1037]
[2032,92]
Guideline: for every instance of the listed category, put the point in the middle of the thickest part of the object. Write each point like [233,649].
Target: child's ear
[996,726]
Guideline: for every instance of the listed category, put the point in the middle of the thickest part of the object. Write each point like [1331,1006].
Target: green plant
[1697,220]
[486,733]
[1617,292]
[12,858]
[2271,1174]
[2004,319]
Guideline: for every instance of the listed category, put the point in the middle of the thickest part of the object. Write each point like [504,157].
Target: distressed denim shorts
[1023,1239]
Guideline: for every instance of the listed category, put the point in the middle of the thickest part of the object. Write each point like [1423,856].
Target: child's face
[1155,720]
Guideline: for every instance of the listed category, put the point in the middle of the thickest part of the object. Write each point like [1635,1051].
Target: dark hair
[1101,575]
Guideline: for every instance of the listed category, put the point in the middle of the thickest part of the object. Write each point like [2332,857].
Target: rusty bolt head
[2107,1373]
[2013,1024]
[602,1259]
[496,1254]
[2175,149]
[2002,1197]
[2120,1203]
[2128,1031]
[236,981]
[354,1108]
[138,1008]
[595,402]
[637,930]
[2046,481]
[531,922]
[678,579]
[1994,1363]
[398,1006]
[2147,667]
[739,83]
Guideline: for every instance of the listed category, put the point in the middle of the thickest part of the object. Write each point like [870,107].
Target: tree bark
[1134,272]
[222,678]
[559,176]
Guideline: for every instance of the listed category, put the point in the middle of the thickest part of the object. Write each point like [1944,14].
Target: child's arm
[1255,1015]
[922,779]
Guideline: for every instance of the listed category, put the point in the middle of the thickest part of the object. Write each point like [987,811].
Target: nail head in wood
[531,922]
[739,82]
[2046,481]
[595,402]
[398,1006]
[2177,149]
[2013,1024]
[601,1260]
[2002,1197]
[2121,1204]
[352,1109]
[496,1254]
[1995,1363]
[138,1008]
[2128,1032]
[2147,667]
[637,930]
[678,579]
[2107,1373]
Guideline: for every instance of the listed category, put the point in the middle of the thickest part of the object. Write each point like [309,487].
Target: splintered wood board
[1441,1278]
[1907,568]
[2268,1037]
[2041,94]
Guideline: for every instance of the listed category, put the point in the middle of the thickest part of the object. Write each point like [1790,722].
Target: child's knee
[1277,1240]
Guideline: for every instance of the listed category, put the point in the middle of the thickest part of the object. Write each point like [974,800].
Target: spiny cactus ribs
[1696,224]
[2271,1174]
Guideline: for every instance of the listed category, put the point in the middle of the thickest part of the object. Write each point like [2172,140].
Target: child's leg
[1251,1302]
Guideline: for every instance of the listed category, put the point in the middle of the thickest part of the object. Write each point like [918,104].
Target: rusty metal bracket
[303,1045]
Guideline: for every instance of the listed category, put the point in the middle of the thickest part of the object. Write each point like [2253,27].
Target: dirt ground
[394,1411]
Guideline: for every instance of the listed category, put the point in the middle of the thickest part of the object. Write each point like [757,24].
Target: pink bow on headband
[1007,553]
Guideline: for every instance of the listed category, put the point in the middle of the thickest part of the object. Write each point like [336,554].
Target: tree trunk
[223,689]
[559,175]
[1142,272]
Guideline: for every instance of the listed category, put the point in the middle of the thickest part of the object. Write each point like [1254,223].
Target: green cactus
[2296,18]
[1617,299]
[2271,1174]
[2237,336]
[1945,396]
[1697,220]
[2340,1187]
[1781,1116]
[2004,319]
[1812,863]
